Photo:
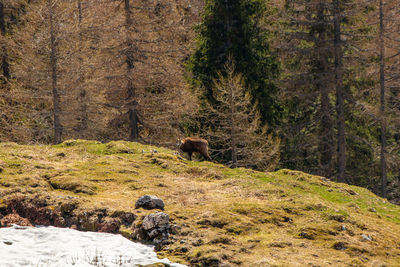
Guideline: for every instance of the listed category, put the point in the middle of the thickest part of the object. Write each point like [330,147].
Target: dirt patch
[62,212]
[14,218]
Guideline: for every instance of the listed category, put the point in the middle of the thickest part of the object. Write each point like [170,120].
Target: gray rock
[155,220]
[149,202]
[155,228]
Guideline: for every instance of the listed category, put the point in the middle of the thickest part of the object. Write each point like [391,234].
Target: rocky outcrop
[43,210]
[149,202]
[155,228]
[110,225]
[28,210]
[11,219]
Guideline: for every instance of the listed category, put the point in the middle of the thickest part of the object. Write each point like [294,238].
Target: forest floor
[220,216]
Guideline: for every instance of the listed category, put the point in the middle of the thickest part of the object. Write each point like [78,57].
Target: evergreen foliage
[236,28]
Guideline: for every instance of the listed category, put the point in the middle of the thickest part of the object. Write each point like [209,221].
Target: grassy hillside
[223,216]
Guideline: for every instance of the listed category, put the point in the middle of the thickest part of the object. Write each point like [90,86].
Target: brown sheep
[191,144]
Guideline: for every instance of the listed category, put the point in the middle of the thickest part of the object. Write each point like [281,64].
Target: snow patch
[52,246]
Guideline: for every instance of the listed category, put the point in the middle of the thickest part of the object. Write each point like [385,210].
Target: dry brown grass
[222,216]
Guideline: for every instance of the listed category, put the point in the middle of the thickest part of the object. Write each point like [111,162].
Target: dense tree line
[311,85]
[96,70]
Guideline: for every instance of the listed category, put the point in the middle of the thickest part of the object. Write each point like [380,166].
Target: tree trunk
[132,104]
[233,129]
[323,86]
[326,142]
[4,60]
[53,63]
[83,117]
[382,108]
[341,142]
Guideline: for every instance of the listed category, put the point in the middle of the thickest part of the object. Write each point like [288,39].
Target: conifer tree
[326,65]
[382,99]
[308,97]
[341,139]
[238,126]
[236,28]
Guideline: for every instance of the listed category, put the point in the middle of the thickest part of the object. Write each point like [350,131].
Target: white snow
[61,247]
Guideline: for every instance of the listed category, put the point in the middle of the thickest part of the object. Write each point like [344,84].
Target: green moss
[119,147]
[203,250]
[235,229]
[78,142]
[3,205]
[72,184]
[126,232]
[14,163]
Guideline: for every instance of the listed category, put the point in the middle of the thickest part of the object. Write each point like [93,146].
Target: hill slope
[223,216]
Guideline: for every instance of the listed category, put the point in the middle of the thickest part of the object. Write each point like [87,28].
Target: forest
[310,85]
